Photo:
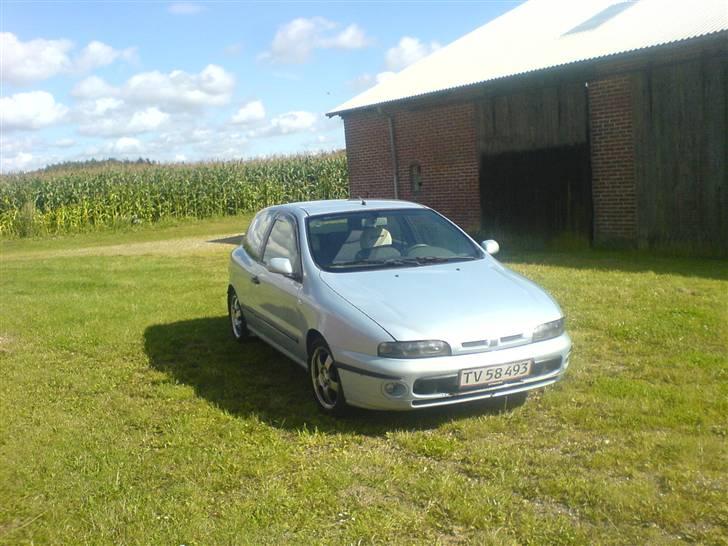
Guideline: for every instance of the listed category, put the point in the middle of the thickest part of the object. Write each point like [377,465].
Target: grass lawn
[128,416]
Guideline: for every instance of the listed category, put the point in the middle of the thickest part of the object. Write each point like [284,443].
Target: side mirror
[490,246]
[280,265]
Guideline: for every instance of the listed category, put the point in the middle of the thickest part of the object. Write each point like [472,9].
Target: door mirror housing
[281,265]
[490,246]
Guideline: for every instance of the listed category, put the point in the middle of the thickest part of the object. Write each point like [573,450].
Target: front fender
[341,324]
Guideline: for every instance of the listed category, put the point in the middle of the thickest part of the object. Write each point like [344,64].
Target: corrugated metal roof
[543,34]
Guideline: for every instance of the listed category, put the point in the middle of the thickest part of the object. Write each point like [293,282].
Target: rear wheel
[325,381]
[238,326]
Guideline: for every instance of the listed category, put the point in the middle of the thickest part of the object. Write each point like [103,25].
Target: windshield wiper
[378,263]
[442,259]
[403,261]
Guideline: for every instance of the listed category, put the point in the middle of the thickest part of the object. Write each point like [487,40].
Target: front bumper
[428,382]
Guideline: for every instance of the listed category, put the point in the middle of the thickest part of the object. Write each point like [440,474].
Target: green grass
[128,416]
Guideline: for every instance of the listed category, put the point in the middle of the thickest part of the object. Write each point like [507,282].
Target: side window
[282,244]
[254,236]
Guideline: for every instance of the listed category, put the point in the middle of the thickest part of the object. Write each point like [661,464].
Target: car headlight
[414,349]
[549,330]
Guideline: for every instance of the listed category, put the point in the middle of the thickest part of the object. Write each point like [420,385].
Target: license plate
[475,377]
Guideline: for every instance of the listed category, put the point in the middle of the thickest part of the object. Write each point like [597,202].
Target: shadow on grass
[623,261]
[234,240]
[253,379]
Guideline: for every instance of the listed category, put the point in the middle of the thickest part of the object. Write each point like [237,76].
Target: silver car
[391,306]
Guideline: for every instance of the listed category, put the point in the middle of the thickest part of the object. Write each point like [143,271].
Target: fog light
[395,390]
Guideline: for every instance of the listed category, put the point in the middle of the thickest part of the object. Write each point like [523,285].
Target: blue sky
[187,81]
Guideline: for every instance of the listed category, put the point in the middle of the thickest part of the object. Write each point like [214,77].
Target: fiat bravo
[389,305]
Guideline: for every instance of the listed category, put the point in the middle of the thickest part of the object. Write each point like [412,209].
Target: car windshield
[386,238]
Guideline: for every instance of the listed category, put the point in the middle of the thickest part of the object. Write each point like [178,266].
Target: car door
[247,268]
[278,295]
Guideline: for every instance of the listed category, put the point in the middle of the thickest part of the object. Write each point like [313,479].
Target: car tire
[238,326]
[325,381]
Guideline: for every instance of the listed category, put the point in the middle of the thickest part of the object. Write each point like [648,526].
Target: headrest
[375,236]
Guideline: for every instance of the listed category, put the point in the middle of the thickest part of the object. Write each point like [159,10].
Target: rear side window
[256,233]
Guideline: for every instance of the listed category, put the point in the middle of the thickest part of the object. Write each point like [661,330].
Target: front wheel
[325,381]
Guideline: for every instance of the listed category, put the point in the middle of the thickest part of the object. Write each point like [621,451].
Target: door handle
[254,279]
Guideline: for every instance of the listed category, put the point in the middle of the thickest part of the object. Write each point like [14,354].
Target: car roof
[333,206]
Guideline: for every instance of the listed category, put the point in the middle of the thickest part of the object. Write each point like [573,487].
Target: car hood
[458,302]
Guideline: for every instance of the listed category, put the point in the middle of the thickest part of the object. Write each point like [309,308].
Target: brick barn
[600,118]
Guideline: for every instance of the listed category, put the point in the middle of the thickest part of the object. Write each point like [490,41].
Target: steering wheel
[409,250]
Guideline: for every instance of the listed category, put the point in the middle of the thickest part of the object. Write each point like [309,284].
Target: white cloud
[11,144]
[20,152]
[185,8]
[409,50]
[126,145]
[295,41]
[148,119]
[196,143]
[286,124]
[251,112]
[365,81]
[149,101]
[180,158]
[35,60]
[21,161]
[97,54]
[31,110]
[111,117]
[352,37]
[294,122]
[64,143]
[213,86]
[40,59]
[93,87]
[99,107]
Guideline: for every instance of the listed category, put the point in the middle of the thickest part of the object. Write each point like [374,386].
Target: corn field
[74,200]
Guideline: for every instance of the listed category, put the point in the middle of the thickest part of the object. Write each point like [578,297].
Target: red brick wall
[613,161]
[441,139]
[444,142]
[369,155]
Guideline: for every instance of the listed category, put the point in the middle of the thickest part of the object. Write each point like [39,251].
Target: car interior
[357,238]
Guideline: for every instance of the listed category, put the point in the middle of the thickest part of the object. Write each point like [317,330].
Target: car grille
[496,343]
[448,384]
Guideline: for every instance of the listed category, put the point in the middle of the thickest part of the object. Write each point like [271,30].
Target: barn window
[415,174]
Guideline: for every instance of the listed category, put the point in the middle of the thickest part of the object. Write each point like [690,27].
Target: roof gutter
[393,149]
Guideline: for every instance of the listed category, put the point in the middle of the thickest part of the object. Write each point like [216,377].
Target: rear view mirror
[281,265]
[490,246]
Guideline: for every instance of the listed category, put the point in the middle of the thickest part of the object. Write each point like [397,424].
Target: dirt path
[207,244]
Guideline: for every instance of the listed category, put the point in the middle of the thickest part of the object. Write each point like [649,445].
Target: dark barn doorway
[540,193]
[535,179]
